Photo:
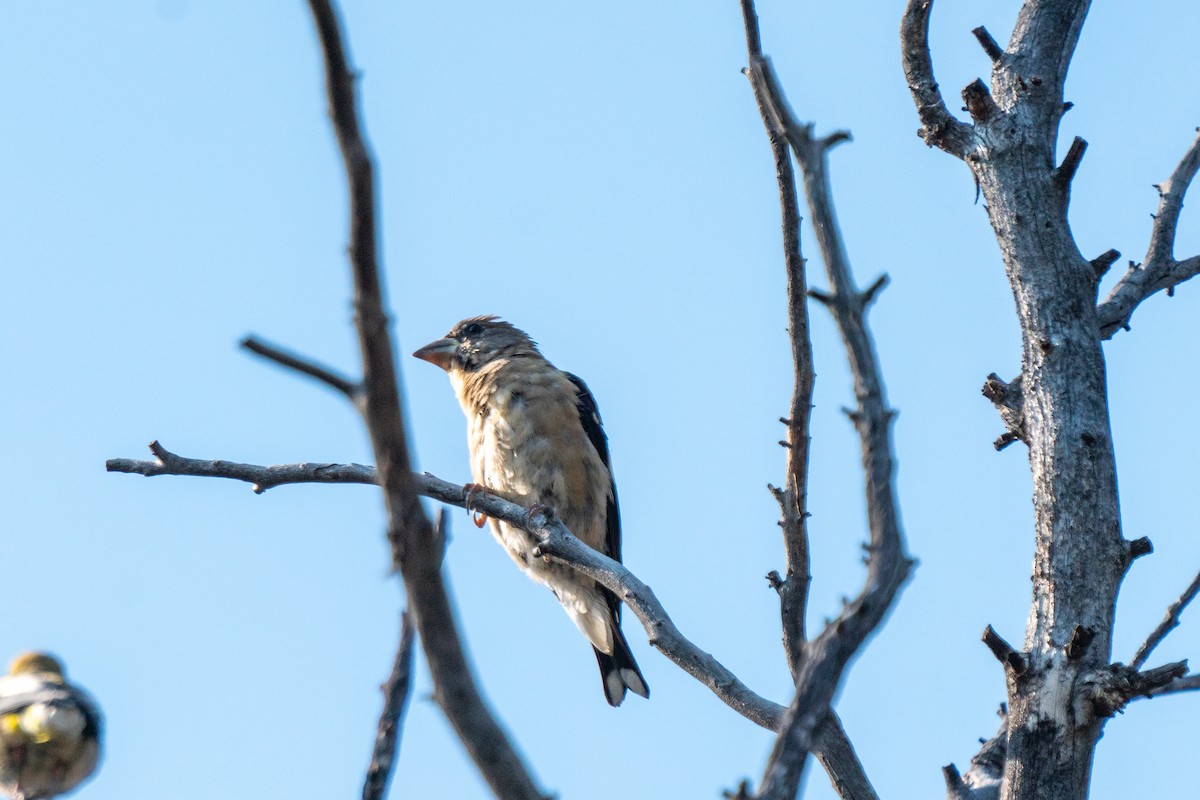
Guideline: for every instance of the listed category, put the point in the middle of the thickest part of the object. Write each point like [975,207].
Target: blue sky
[598,175]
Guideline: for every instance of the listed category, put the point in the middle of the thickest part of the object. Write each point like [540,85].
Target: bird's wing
[22,700]
[589,417]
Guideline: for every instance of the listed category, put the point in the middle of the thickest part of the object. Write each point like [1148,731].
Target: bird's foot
[469,493]
[547,514]
[534,510]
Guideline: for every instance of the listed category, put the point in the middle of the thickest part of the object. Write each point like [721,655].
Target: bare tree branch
[351,390]
[994,51]
[982,779]
[1003,651]
[1103,262]
[262,478]
[938,125]
[827,656]
[887,563]
[1010,402]
[1160,269]
[416,551]
[1104,692]
[836,755]
[1070,165]
[793,499]
[557,543]
[387,737]
[1168,624]
[1188,683]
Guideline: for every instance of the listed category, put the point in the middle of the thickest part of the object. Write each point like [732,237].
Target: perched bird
[49,730]
[535,438]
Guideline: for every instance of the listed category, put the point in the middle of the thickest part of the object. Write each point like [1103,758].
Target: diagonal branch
[938,125]
[793,498]
[349,389]
[415,548]
[1169,623]
[387,737]
[827,656]
[1160,269]
[557,542]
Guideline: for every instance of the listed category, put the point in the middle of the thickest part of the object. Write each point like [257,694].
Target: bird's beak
[439,353]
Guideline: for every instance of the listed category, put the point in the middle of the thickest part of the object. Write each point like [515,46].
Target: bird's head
[476,342]
[34,663]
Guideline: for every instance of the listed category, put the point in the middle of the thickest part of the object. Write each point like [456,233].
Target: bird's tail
[619,671]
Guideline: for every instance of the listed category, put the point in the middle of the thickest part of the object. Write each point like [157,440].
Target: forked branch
[826,657]
[1168,624]
[1160,270]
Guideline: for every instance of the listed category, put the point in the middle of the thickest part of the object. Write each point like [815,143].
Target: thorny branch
[1160,270]
[793,498]
[395,698]
[826,657]
[557,543]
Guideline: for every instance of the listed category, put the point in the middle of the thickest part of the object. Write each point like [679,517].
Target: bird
[536,439]
[49,730]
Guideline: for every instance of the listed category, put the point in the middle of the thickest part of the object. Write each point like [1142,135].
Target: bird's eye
[474,329]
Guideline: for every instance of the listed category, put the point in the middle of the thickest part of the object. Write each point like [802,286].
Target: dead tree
[1062,683]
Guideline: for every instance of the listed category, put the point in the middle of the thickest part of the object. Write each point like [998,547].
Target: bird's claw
[534,510]
[469,492]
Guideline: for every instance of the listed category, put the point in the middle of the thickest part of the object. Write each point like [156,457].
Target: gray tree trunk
[1062,687]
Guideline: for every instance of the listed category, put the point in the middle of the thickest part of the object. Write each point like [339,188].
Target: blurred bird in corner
[49,730]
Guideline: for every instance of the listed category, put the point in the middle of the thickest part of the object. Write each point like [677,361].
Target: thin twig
[557,543]
[395,699]
[415,549]
[1160,270]
[305,366]
[793,499]
[1168,624]
[826,656]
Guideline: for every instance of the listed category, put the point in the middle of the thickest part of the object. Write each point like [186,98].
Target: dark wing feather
[589,417]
